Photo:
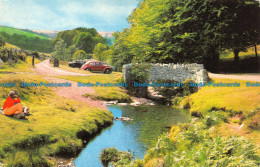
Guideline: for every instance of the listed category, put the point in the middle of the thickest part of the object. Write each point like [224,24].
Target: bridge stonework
[175,72]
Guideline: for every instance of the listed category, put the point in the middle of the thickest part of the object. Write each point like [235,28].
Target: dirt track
[45,68]
[74,92]
[248,77]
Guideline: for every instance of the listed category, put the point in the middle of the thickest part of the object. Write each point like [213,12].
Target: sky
[104,15]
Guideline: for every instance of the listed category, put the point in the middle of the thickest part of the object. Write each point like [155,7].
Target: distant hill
[47,33]
[106,33]
[110,41]
[109,36]
[11,31]
[25,39]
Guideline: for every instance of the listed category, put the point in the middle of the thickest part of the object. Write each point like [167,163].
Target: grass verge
[235,99]
[20,66]
[56,128]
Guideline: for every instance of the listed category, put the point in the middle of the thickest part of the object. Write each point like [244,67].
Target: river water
[135,136]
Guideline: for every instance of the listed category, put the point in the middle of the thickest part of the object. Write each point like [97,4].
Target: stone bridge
[175,72]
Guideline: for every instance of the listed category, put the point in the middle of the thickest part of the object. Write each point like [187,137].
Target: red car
[97,66]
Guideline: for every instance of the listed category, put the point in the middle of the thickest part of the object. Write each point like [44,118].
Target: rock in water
[123,119]
[1,63]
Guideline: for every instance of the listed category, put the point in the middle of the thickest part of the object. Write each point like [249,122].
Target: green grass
[55,128]
[241,98]
[8,45]
[227,55]
[103,93]
[11,31]
[195,144]
[20,66]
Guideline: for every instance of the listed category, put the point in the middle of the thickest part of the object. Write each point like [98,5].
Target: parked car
[77,63]
[97,66]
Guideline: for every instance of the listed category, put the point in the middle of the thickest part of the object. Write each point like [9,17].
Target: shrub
[253,123]
[214,118]
[176,101]
[185,103]
[109,155]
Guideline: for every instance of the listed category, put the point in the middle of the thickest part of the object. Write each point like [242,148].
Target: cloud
[60,15]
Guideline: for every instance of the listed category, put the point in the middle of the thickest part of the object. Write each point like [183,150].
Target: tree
[121,50]
[84,41]
[84,38]
[244,28]
[71,50]
[80,54]
[99,52]
[60,50]
[184,31]
[2,42]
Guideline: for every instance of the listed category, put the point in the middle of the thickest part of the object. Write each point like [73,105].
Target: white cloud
[67,14]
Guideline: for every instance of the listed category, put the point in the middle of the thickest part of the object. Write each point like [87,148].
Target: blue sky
[104,15]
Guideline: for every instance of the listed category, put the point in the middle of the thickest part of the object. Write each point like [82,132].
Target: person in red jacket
[13,105]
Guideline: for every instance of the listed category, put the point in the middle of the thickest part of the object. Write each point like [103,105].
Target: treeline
[184,31]
[78,43]
[28,43]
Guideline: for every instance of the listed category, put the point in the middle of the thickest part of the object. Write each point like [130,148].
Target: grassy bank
[250,52]
[236,99]
[195,144]
[241,106]
[103,93]
[56,128]
[20,66]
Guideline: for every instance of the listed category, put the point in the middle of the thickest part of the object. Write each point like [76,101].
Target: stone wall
[176,72]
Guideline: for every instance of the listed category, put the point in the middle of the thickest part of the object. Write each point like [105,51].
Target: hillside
[46,33]
[11,31]
[25,39]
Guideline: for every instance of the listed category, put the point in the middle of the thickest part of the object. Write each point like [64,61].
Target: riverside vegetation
[226,134]
[57,127]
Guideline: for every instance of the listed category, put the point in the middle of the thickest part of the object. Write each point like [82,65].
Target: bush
[176,101]
[109,155]
[214,118]
[253,123]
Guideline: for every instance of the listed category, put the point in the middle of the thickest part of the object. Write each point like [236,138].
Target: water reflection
[136,136]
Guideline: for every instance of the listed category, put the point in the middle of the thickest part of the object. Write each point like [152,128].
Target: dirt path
[45,68]
[249,77]
[74,92]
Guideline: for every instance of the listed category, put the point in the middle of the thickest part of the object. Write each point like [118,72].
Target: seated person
[13,106]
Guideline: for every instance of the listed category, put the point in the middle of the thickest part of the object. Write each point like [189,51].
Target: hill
[25,39]
[47,33]
[11,31]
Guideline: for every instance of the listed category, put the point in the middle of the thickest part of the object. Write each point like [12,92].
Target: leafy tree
[71,50]
[84,41]
[244,30]
[99,52]
[60,50]
[179,31]
[80,54]
[84,38]
[121,53]
[2,42]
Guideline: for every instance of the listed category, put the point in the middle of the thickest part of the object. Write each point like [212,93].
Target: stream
[136,136]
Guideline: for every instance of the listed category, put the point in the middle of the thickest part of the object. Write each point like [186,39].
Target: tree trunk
[33,60]
[236,58]
[255,50]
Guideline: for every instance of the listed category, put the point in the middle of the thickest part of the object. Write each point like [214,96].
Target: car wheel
[88,69]
[107,71]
